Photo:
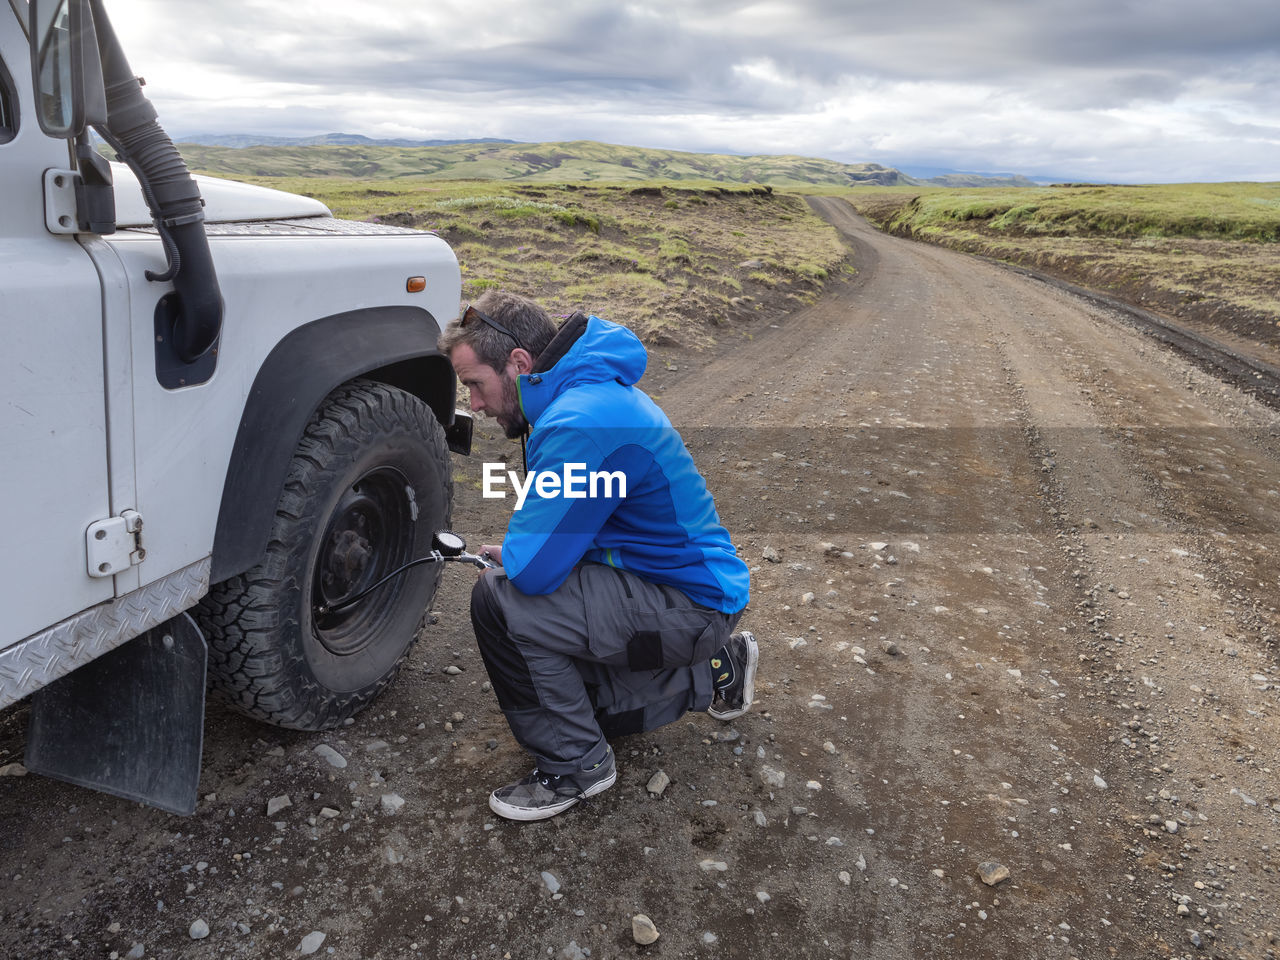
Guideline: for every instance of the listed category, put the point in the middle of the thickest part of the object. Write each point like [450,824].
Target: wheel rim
[370,533]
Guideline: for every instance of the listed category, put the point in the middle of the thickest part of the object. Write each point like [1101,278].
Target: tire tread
[250,668]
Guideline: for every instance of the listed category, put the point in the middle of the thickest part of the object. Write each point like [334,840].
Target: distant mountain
[347,155]
[239,141]
[951,177]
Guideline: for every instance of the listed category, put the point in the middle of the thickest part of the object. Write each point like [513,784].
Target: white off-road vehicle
[222,412]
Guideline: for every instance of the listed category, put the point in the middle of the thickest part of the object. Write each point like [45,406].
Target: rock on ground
[643,930]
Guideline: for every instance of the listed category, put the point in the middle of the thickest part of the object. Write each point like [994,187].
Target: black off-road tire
[369,483]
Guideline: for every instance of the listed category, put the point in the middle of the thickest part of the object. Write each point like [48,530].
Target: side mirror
[66,67]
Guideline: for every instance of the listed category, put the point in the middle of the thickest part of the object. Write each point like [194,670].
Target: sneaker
[734,669]
[542,795]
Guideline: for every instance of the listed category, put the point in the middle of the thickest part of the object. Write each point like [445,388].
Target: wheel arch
[393,345]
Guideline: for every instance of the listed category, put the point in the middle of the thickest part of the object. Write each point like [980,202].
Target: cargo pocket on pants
[644,623]
[679,637]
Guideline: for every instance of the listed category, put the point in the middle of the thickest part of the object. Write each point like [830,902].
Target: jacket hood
[586,350]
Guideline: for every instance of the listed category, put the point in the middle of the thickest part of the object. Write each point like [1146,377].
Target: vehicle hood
[225,201]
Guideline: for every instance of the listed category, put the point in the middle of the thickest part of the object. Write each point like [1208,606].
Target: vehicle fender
[394,344]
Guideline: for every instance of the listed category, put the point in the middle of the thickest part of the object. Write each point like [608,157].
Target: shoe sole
[528,814]
[748,681]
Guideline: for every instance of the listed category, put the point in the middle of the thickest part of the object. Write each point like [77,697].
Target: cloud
[1093,87]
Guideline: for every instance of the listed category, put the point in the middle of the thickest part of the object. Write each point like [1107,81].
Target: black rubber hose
[171,254]
[171,193]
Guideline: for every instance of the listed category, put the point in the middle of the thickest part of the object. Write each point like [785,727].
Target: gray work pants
[606,654]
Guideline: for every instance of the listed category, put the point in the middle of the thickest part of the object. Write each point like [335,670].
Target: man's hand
[491,552]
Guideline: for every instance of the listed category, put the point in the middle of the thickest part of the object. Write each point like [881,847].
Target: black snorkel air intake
[171,194]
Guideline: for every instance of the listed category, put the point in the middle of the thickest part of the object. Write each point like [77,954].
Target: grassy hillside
[1232,211]
[678,264]
[1207,253]
[577,161]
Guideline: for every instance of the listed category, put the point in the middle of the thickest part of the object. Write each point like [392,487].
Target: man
[614,608]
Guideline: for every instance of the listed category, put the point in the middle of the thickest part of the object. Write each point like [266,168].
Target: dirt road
[1015,577]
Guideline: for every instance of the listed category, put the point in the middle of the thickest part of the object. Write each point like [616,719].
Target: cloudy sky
[1117,90]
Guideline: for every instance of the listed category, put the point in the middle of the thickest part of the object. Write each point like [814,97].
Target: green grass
[1230,211]
[664,258]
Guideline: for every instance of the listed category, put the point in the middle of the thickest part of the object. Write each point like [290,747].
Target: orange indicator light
[416,284]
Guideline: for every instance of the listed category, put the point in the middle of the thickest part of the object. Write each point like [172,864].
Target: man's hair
[529,322]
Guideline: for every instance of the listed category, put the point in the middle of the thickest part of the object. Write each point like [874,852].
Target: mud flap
[131,723]
[457,435]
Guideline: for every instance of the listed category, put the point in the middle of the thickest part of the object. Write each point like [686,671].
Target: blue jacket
[586,410]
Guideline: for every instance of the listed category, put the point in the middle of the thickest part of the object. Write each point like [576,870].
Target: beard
[512,418]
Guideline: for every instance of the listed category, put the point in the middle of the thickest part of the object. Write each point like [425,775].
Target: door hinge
[115,544]
[60,201]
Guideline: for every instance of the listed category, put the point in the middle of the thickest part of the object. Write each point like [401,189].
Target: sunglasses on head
[471,314]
